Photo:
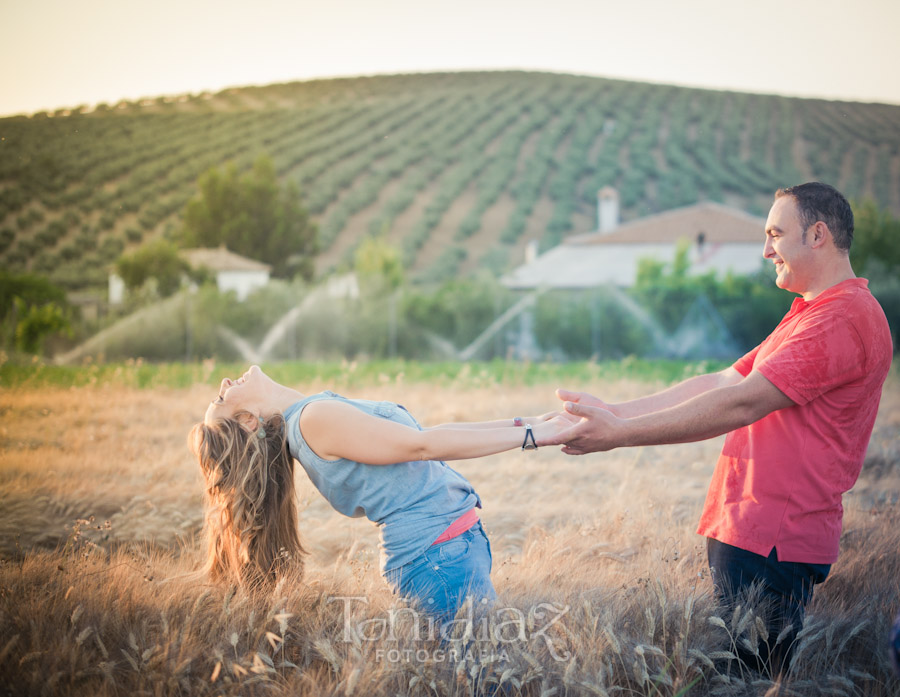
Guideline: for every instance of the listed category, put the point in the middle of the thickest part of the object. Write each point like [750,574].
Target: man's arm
[676,394]
[705,415]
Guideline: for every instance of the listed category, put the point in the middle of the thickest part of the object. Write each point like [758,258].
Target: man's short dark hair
[817,201]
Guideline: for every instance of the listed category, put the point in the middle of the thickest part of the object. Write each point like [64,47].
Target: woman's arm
[499,423]
[335,429]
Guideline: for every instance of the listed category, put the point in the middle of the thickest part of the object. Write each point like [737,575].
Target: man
[798,410]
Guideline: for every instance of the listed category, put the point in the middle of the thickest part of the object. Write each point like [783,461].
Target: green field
[137,374]
[458,170]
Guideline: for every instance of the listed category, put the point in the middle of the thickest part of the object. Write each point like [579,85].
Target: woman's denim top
[412,502]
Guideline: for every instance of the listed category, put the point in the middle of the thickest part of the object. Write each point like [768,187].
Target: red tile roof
[719,223]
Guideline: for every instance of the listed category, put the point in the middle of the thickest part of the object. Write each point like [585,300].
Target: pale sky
[63,53]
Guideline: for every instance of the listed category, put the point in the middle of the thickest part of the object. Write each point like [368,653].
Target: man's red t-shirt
[779,481]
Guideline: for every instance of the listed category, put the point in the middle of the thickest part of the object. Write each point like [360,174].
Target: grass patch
[141,375]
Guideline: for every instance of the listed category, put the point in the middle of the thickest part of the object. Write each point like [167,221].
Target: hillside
[459,170]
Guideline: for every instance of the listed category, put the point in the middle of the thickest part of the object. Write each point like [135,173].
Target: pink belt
[458,526]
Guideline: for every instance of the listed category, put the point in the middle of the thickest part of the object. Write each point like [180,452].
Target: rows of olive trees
[77,189]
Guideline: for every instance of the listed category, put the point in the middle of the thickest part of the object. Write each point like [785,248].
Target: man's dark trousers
[784,588]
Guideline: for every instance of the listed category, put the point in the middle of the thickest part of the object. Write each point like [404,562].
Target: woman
[368,459]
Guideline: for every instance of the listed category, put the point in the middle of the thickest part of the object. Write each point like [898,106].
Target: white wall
[587,266]
[241,282]
[116,289]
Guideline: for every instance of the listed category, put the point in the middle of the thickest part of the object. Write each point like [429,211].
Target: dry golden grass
[597,554]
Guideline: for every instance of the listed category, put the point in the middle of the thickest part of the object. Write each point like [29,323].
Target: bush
[15,258]
[28,247]
[6,238]
[378,266]
[107,221]
[36,323]
[885,286]
[36,308]
[749,306]
[29,288]
[458,310]
[86,239]
[87,272]
[110,248]
[876,238]
[12,199]
[158,260]
[45,262]
[46,237]
[588,324]
[70,252]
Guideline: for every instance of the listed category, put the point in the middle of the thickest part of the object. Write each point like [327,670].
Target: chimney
[607,209]
[531,251]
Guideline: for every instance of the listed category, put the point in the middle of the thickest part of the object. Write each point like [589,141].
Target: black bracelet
[529,434]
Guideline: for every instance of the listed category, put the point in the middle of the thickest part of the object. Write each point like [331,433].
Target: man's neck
[835,273]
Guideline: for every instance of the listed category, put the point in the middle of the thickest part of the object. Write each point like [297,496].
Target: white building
[722,239]
[116,289]
[232,271]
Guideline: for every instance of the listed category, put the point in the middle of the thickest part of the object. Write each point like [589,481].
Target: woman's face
[248,393]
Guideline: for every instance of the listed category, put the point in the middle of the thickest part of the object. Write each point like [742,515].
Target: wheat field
[603,584]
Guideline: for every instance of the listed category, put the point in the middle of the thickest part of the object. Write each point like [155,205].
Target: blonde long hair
[251,509]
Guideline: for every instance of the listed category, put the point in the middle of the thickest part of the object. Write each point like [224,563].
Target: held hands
[582,398]
[535,420]
[589,425]
[549,426]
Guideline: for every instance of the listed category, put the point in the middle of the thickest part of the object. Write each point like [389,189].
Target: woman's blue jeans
[445,574]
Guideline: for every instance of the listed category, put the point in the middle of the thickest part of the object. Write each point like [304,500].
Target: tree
[159,260]
[32,289]
[876,236]
[875,255]
[36,323]
[378,265]
[31,309]
[253,216]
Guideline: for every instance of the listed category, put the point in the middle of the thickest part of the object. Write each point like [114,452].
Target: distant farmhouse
[232,271]
[722,239]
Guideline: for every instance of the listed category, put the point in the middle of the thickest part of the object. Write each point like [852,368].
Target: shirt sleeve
[744,364]
[823,352]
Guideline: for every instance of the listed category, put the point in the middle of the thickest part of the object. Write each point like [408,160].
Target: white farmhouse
[232,271]
[722,239]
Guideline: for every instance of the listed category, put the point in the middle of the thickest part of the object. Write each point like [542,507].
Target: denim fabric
[444,574]
[785,587]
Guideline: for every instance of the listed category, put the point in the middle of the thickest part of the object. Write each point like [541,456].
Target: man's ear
[248,421]
[820,233]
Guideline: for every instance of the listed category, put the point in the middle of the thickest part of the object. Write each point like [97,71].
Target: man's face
[786,245]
